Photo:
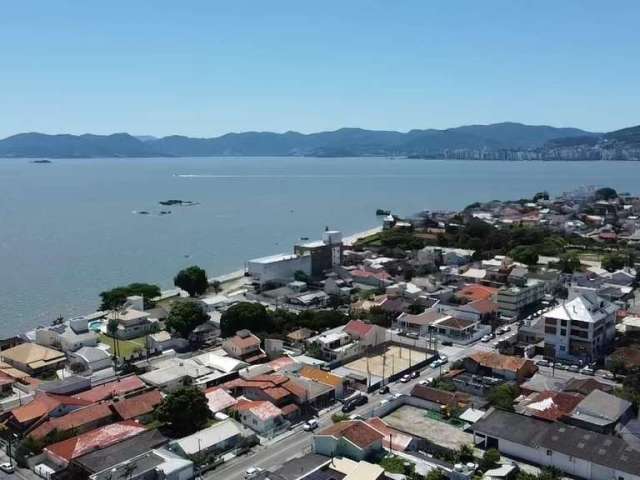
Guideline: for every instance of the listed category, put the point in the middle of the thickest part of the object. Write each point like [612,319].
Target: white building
[278,268]
[514,301]
[580,329]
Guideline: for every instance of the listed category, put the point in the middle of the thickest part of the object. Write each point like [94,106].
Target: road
[298,442]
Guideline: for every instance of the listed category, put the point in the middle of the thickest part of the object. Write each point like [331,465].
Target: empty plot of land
[394,360]
[416,422]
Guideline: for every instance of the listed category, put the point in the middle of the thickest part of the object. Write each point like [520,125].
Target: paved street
[298,443]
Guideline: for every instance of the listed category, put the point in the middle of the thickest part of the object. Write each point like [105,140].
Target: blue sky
[210,67]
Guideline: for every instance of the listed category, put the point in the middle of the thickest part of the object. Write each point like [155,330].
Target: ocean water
[68,231]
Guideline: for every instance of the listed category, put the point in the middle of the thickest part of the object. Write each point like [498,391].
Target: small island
[179,203]
[40,161]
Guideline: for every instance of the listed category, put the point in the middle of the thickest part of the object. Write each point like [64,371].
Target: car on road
[360,400]
[485,339]
[587,371]
[415,374]
[443,359]
[6,467]
[506,328]
[542,363]
[310,425]
[428,381]
[396,395]
[355,416]
[574,368]
[499,331]
[447,343]
[562,366]
[434,364]
[252,472]
[405,378]
[383,390]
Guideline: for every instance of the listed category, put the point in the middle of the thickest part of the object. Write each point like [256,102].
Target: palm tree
[112,330]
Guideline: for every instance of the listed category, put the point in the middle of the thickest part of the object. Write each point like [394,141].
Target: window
[563,323]
[563,332]
[549,452]
[550,330]
[563,348]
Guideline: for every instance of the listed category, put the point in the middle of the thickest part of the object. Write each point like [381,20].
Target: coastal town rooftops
[32,355]
[12,372]
[549,405]
[358,328]
[585,386]
[43,404]
[476,291]
[321,376]
[76,419]
[244,339]
[102,437]
[428,317]
[220,362]
[357,432]
[601,408]
[391,438]
[587,307]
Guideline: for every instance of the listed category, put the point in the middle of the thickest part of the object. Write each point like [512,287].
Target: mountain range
[506,140]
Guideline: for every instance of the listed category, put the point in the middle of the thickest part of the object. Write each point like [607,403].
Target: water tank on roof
[332,237]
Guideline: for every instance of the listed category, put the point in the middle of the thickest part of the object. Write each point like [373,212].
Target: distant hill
[503,141]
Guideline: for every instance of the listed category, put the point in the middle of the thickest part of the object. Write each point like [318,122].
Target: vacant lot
[126,347]
[394,360]
[417,422]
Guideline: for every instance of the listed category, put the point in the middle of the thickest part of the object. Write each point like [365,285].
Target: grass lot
[370,241]
[126,347]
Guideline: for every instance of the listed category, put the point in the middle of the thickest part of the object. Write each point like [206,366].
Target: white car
[405,378]
[310,425]
[428,381]
[252,472]
[396,395]
[7,467]
[485,339]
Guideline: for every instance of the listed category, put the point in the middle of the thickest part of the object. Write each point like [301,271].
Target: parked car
[6,467]
[447,343]
[405,378]
[383,390]
[443,359]
[428,381]
[574,368]
[485,339]
[396,395]
[348,407]
[499,331]
[587,371]
[542,363]
[356,417]
[252,472]
[310,425]
[359,400]
[562,366]
[434,364]
[415,374]
[506,328]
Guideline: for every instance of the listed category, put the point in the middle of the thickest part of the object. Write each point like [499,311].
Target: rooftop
[121,386]
[33,355]
[357,432]
[497,361]
[209,437]
[138,405]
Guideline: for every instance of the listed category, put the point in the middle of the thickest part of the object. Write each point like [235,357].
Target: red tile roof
[76,419]
[391,438]
[246,342]
[358,328]
[548,405]
[219,399]
[497,361]
[262,409]
[109,390]
[441,397]
[42,405]
[356,431]
[483,307]
[475,291]
[65,451]
[276,386]
[280,363]
[138,405]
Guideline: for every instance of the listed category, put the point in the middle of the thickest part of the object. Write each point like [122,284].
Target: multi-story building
[581,329]
[514,302]
[325,254]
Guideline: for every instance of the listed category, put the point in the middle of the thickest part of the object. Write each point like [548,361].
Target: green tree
[465,454]
[524,254]
[251,316]
[605,193]
[185,316]
[112,330]
[186,410]
[116,297]
[490,460]
[217,286]
[436,474]
[193,280]
[300,276]
[503,396]
[613,261]
[569,262]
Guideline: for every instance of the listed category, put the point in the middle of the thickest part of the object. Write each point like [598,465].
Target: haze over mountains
[503,141]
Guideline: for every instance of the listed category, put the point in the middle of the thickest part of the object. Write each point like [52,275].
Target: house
[277,389]
[549,405]
[575,451]
[585,386]
[62,453]
[100,462]
[322,376]
[68,337]
[325,254]
[140,407]
[78,421]
[581,329]
[91,359]
[354,439]
[365,333]
[515,302]
[261,416]
[33,359]
[300,335]
[216,439]
[439,398]
[497,365]
[132,323]
[601,412]
[161,341]
[419,324]
[392,439]
[472,292]
[173,373]
[120,387]
[156,464]
[244,346]
[219,400]
[43,406]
